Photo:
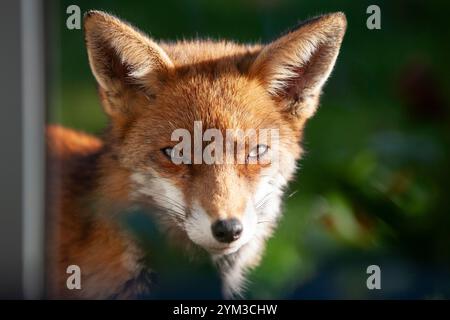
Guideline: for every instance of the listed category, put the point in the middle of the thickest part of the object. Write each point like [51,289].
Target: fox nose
[227,231]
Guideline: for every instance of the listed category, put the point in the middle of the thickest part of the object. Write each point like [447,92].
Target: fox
[148,89]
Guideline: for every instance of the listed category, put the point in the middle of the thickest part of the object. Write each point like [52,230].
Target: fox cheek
[161,192]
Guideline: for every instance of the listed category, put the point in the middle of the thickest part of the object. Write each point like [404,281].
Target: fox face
[150,90]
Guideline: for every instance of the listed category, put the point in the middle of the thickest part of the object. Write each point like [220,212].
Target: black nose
[227,230]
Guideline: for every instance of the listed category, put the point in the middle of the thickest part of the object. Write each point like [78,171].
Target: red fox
[149,89]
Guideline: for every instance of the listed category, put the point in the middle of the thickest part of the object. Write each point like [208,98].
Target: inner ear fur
[294,68]
[122,58]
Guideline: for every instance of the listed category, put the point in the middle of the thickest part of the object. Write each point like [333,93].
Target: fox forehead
[207,52]
[209,83]
[220,101]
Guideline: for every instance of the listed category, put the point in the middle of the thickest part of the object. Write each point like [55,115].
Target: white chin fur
[261,215]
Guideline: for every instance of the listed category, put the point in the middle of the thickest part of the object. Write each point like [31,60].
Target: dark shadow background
[11,167]
[373,185]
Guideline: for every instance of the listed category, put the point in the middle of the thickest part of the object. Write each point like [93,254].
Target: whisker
[264,199]
[171,202]
[263,205]
[293,193]
[177,217]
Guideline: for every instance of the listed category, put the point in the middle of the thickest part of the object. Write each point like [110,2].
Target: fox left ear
[294,68]
[121,57]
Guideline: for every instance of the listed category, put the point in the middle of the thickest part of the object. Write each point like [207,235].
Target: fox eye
[176,156]
[258,151]
[168,151]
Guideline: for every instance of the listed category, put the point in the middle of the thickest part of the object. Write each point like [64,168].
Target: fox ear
[294,67]
[121,57]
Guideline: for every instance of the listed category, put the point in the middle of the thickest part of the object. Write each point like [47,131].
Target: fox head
[151,89]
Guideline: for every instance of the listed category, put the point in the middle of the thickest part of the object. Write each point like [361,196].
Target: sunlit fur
[149,89]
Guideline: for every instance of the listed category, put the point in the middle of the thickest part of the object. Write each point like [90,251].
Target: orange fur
[148,90]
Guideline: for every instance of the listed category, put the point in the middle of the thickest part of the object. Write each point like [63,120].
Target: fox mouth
[223,250]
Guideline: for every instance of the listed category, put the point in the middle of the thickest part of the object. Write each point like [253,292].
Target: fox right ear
[294,68]
[121,57]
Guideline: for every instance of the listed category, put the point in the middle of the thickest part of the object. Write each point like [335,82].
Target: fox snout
[221,235]
[222,215]
[227,231]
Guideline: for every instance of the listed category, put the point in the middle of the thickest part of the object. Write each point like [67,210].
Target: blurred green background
[373,184]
